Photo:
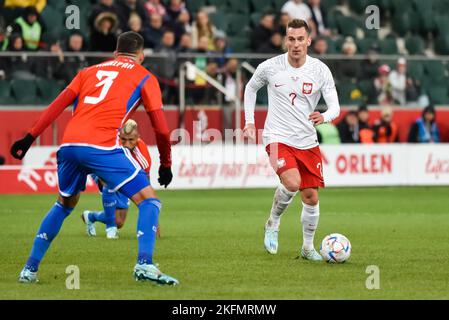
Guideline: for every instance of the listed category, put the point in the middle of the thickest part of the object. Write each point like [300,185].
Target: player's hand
[250,132]
[165,176]
[317,118]
[20,147]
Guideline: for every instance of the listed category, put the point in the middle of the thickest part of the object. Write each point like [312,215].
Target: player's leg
[312,178]
[124,175]
[285,166]
[120,217]
[107,216]
[71,182]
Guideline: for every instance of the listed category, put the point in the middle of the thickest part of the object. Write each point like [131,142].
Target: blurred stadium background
[203,53]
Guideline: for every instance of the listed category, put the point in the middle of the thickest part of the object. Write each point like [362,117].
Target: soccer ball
[335,248]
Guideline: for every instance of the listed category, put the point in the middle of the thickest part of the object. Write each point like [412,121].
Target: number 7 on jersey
[106,84]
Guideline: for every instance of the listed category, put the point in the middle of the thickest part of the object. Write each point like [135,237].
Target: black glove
[22,145]
[165,176]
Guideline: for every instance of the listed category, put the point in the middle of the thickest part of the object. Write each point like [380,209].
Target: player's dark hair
[129,43]
[297,24]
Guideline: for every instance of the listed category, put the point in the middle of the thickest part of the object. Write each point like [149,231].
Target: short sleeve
[151,94]
[75,85]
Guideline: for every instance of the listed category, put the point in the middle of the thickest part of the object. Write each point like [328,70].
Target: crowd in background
[169,28]
[355,127]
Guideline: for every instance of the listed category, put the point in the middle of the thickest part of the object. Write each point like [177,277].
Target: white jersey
[293,94]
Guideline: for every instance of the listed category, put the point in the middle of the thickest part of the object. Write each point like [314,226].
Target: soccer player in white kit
[295,84]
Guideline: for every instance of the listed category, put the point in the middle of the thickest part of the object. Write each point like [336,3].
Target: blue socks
[48,230]
[147,228]
[109,205]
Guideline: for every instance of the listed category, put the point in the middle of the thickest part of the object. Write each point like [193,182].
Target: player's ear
[309,41]
[140,57]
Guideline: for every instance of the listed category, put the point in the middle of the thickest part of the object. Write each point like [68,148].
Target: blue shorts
[116,167]
[120,198]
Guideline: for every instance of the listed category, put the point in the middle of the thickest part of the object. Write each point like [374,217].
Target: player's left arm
[65,99]
[152,100]
[330,96]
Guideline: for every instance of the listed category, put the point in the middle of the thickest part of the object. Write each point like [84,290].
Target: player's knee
[290,184]
[310,198]
[69,202]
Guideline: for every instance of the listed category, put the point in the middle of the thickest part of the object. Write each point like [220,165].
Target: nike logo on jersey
[279,85]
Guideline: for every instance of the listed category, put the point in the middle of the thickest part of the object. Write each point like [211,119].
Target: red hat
[384,69]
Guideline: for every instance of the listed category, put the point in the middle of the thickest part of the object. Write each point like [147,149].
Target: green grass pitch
[212,241]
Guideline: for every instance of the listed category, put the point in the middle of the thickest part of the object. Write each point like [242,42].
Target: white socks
[282,198]
[309,219]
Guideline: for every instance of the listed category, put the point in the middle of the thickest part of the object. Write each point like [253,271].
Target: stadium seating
[415,45]
[20,87]
[5,92]
[48,90]
[236,24]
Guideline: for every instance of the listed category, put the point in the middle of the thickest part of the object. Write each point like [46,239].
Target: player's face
[129,141]
[296,41]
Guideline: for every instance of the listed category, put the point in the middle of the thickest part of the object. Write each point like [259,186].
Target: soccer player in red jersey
[116,204]
[104,97]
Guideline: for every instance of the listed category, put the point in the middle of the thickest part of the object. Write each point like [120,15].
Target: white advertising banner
[247,166]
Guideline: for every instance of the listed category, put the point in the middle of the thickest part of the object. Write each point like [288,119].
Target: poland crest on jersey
[307,88]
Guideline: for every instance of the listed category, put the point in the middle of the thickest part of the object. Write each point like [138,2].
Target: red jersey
[142,156]
[107,95]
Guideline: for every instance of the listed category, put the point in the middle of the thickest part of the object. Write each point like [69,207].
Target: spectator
[320,46]
[29,27]
[425,129]
[319,17]
[104,35]
[370,66]
[71,65]
[296,9]
[221,46]
[101,7]
[382,86]
[135,24]
[14,4]
[174,9]
[363,116]
[263,31]
[155,6]
[349,68]
[182,25]
[284,19]
[185,44]
[349,128]
[155,31]
[274,46]
[200,94]
[4,41]
[202,27]
[385,130]
[230,83]
[366,134]
[398,81]
[327,133]
[126,8]
[20,67]
[167,68]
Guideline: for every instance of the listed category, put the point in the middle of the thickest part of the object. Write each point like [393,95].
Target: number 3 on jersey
[106,84]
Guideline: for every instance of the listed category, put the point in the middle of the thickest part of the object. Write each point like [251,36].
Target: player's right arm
[257,81]
[152,100]
[65,99]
